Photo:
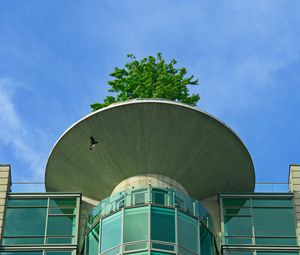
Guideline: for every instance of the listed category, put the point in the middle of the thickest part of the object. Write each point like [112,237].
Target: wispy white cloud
[15,136]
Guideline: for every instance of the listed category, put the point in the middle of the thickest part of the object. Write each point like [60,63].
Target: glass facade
[145,228]
[46,219]
[156,221]
[263,220]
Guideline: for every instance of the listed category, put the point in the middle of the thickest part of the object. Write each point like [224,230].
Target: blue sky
[55,57]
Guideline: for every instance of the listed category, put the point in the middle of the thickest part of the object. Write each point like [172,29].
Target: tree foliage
[150,78]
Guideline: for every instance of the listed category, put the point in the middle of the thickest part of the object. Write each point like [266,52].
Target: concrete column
[294,186]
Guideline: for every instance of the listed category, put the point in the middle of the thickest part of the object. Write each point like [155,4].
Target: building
[149,176]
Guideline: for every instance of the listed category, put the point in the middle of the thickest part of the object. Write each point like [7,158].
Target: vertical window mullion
[46,224]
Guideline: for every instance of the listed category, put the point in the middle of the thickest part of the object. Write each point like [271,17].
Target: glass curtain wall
[258,220]
[155,229]
[40,220]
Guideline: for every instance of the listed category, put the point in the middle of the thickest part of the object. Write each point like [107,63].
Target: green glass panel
[188,232]
[92,241]
[20,240]
[113,251]
[275,241]
[25,221]
[136,224]
[20,202]
[184,251]
[238,226]
[21,253]
[61,225]
[59,240]
[239,253]
[238,240]
[276,253]
[206,241]
[236,202]
[263,202]
[237,211]
[136,246]
[139,253]
[111,231]
[59,253]
[60,210]
[274,222]
[139,197]
[158,196]
[62,202]
[162,224]
[159,253]
[162,246]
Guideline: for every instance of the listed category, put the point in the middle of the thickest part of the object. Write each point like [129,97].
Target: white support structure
[294,186]
[4,189]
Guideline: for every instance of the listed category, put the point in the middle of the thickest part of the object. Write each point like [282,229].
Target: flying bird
[93,143]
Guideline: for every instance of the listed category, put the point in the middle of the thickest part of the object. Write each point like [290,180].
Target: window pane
[64,202]
[188,232]
[159,253]
[238,240]
[236,202]
[206,241]
[58,253]
[20,202]
[237,211]
[136,224]
[162,224]
[275,241]
[276,253]
[92,241]
[60,210]
[158,196]
[111,231]
[23,240]
[21,253]
[238,226]
[61,225]
[239,253]
[59,240]
[25,221]
[274,222]
[263,202]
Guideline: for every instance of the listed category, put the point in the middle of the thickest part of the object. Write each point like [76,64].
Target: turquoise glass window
[206,241]
[276,253]
[274,222]
[92,241]
[238,226]
[236,202]
[61,225]
[239,253]
[58,253]
[63,202]
[111,231]
[25,222]
[188,232]
[136,224]
[263,202]
[18,202]
[162,224]
[21,253]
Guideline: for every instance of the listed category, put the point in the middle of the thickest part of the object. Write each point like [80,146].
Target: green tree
[150,78]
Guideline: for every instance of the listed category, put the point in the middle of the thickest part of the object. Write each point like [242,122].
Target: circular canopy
[149,137]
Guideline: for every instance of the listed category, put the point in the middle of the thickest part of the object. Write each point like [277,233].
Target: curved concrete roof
[153,137]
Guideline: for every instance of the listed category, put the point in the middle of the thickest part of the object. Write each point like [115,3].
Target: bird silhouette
[93,143]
